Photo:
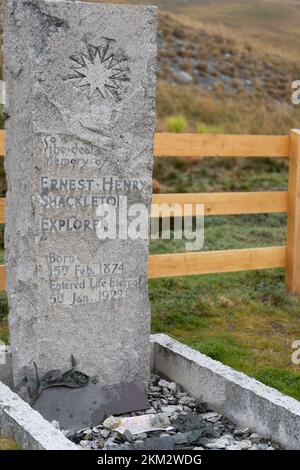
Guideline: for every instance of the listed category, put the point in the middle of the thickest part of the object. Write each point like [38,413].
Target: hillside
[228,64]
[270,24]
[208,76]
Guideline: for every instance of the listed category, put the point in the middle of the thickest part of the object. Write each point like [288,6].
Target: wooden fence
[197,146]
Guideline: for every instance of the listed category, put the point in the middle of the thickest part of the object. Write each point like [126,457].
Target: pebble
[140,436]
[172,386]
[255,438]
[212,417]
[105,433]
[127,435]
[240,432]
[218,443]
[170,409]
[88,434]
[111,422]
[85,444]
[163,383]
[245,444]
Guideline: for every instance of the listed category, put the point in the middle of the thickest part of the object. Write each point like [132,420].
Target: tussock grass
[6,443]
[245,115]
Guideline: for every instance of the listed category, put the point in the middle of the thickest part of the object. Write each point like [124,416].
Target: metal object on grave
[55,378]
[76,401]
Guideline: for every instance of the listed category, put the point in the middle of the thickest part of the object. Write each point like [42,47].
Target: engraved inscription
[62,193]
[73,283]
[73,155]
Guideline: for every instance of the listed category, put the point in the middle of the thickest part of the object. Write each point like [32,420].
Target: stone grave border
[242,399]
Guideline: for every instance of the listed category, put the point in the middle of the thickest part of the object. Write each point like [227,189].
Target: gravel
[192,426]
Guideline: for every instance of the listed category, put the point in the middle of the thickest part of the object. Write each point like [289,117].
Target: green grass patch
[177,124]
[220,174]
[203,128]
[245,320]
[286,381]
[229,232]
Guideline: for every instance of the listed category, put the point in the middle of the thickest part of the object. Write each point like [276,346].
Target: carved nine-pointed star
[100,72]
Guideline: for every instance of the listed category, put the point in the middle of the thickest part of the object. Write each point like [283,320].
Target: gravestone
[80,97]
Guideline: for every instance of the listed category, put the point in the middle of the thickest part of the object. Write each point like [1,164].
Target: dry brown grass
[248,115]
[6,443]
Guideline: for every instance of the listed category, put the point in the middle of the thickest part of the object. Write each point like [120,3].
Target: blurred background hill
[228,64]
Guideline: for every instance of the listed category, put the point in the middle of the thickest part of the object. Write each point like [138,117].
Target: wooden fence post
[293,235]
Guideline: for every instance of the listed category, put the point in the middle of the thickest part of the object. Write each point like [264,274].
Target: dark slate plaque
[78,408]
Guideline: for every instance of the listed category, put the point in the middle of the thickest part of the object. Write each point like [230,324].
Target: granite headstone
[80,90]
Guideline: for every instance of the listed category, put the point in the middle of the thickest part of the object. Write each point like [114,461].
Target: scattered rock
[105,433]
[212,417]
[88,434]
[163,383]
[183,77]
[240,432]
[218,443]
[127,435]
[170,409]
[245,444]
[85,444]
[200,407]
[140,436]
[172,386]
[111,422]
[255,438]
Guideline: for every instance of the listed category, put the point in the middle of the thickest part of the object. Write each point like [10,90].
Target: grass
[245,320]
[203,128]
[7,443]
[240,115]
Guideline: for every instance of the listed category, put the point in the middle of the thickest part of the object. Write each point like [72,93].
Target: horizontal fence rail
[209,262]
[224,203]
[212,145]
[218,145]
[214,204]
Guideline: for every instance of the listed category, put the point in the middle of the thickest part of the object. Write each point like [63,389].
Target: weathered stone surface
[27,426]
[80,102]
